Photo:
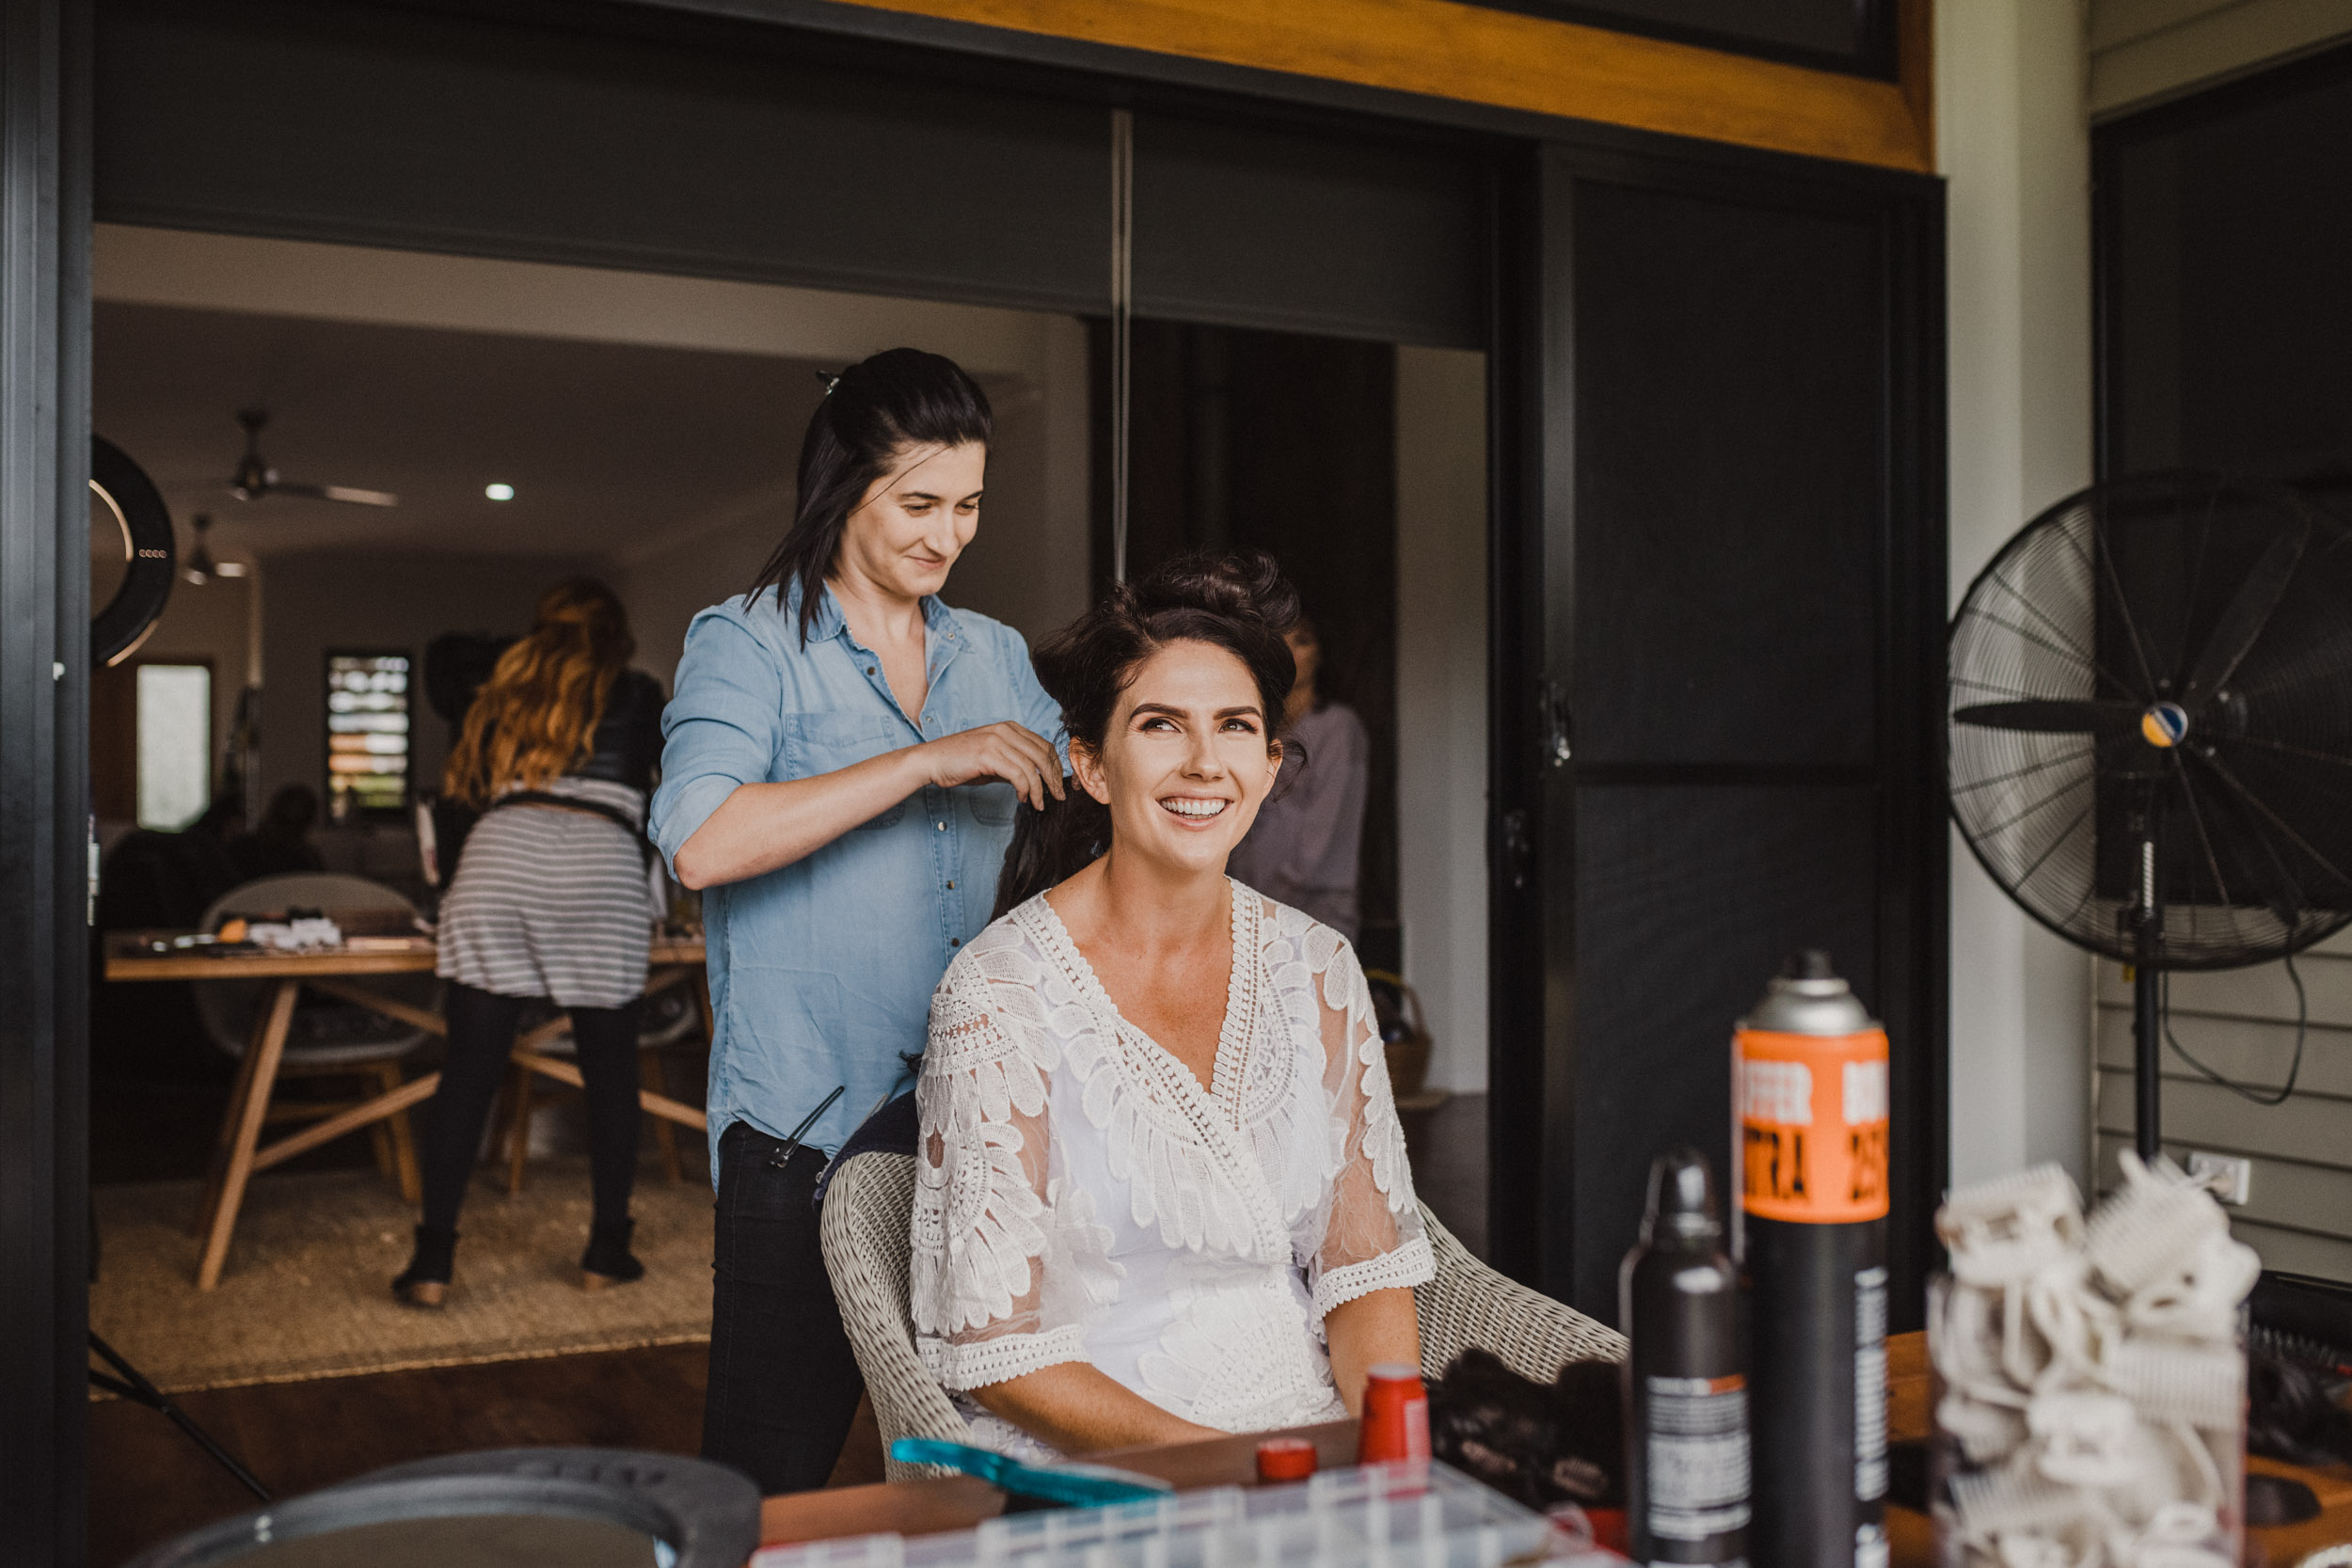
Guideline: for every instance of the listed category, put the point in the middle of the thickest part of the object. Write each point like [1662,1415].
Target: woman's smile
[1199,809]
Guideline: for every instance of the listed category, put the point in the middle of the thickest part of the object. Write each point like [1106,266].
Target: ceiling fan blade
[2053,716]
[337,493]
[2243,619]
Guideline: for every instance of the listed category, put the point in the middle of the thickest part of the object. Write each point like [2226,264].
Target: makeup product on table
[1396,1416]
[1281,1459]
[1810,1095]
[1686,1402]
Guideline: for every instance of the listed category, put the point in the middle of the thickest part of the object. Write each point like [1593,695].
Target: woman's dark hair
[872,411]
[1241,603]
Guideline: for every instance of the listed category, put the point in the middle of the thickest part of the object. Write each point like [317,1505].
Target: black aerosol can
[1686,1405]
[1810,1095]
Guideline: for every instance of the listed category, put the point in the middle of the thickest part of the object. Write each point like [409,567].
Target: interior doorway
[534,420]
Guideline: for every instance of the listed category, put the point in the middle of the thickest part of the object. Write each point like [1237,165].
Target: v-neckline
[1223,1088]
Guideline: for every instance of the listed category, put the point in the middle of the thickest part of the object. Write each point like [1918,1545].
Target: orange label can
[1813,1124]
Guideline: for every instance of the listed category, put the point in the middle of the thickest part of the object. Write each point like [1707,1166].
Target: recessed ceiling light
[229,569]
[499,492]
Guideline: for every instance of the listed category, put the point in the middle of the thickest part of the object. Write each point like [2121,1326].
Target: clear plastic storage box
[1409,1515]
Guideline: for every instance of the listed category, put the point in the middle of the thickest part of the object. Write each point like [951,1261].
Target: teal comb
[1075,1485]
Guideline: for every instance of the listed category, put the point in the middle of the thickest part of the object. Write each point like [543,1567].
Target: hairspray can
[1686,1405]
[1810,1093]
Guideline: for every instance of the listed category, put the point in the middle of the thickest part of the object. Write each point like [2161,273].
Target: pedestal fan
[2149,704]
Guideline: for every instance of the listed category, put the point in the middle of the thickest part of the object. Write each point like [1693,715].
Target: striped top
[552,903]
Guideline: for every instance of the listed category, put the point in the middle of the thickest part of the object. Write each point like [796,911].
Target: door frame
[46,132]
[1534,607]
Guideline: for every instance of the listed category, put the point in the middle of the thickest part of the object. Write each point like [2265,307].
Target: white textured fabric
[1079,1197]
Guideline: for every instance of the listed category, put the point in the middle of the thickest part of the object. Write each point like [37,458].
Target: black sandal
[608,1260]
[425,1281]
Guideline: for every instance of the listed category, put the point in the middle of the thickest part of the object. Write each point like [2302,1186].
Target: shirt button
[951,887]
[955,941]
[870,669]
[943,826]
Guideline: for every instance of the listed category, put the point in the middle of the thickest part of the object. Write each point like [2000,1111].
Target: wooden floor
[148,1483]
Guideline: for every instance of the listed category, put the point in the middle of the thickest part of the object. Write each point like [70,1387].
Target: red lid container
[1396,1416]
[1286,1459]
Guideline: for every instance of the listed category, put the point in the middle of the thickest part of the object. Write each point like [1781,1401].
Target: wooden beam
[656,1104]
[350,1122]
[1476,53]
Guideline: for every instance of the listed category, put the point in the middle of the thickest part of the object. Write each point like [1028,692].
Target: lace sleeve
[1371,1236]
[985,1233]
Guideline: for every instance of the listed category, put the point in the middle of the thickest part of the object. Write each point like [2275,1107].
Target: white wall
[1026,566]
[1441,701]
[2014,144]
[387,603]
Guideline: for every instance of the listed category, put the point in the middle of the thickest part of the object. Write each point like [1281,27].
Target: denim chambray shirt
[821,971]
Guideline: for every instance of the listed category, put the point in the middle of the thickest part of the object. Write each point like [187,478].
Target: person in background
[281,844]
[845,757]
[1304,848]
[549,902]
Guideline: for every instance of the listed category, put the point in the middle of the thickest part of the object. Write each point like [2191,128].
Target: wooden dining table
[961,1502]
[343,972]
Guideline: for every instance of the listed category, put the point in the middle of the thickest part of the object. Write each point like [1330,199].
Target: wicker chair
[864,1237]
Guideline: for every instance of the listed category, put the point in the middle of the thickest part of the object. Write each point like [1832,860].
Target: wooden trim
[1442,48]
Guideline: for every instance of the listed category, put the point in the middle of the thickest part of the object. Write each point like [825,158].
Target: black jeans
[784,1386]
[481,1038]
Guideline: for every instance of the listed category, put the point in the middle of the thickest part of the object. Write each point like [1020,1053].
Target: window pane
[175,721]
[367,734]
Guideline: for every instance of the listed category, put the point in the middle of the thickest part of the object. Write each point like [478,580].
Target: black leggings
[481,1037]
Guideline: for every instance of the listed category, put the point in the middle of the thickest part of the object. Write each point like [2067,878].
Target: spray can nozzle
[1812,964]
[1681,1199]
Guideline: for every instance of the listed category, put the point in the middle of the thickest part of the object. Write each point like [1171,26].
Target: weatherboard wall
[2241,1023]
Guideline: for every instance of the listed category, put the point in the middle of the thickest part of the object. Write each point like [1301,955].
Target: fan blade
[337,493]
[2054,716]
[2243,619]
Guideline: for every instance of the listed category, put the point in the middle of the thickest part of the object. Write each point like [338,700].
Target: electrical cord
[2255,1097]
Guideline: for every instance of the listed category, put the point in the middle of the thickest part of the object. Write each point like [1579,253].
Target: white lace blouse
[1080,1198]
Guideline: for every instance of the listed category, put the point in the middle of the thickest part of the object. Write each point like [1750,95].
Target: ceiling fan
[255,478]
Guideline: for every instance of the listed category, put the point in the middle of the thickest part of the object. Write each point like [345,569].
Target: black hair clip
[831,379]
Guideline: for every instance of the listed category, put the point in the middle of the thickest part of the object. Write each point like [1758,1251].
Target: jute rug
[306,1291]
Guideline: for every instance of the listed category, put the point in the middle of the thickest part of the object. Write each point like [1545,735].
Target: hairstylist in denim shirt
[845,756]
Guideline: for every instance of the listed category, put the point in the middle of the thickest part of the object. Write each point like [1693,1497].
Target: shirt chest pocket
[992,802]
[818,743]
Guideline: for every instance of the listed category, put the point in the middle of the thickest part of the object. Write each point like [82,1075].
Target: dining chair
[338,1040]
[864,1233]
[670,1016]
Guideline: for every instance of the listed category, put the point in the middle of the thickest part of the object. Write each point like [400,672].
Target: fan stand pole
[2147,1016]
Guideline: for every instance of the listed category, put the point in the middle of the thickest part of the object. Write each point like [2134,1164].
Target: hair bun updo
[1244,584]
[1239,602]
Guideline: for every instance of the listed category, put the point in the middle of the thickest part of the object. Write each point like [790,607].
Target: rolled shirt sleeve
[722,727]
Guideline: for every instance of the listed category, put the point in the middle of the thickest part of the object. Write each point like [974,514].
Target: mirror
[132,553]
[109,548]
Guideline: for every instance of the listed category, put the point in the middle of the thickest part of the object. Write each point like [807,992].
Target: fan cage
[2110,597]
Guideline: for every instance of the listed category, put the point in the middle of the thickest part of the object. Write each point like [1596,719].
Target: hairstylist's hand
[1010,751]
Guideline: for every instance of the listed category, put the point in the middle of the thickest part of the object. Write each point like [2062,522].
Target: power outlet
[2228,1176]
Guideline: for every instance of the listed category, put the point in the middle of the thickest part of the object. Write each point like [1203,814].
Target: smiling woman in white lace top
[1161,1188]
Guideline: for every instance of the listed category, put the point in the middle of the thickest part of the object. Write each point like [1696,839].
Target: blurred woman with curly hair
[549,903]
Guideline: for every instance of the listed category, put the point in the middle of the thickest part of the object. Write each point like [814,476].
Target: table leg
[233,1113]
[265,1052]
[665,1134]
